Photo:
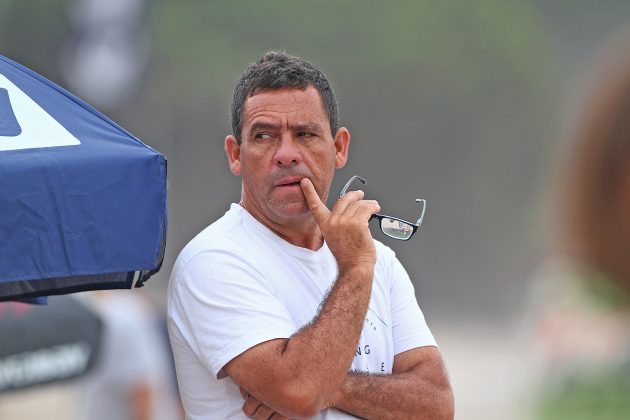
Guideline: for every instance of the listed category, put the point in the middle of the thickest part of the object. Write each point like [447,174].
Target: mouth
[289,182]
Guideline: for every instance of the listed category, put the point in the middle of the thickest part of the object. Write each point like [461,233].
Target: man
[284,308]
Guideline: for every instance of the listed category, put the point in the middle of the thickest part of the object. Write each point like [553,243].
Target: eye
[262,136]
[305,134]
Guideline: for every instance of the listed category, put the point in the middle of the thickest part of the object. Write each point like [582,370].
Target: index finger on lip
[318,209]
[312,199]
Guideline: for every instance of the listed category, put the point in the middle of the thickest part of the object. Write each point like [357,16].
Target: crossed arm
[302,375]
[418,388]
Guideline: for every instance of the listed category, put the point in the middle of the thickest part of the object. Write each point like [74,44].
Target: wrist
[335,398]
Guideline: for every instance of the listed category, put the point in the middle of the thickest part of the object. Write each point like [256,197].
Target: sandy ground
[490,371]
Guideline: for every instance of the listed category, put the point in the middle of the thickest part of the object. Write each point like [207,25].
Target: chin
[293,211]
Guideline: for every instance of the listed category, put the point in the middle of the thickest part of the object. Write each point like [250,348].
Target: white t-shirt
[237,284]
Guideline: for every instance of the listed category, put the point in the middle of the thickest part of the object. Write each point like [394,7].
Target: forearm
[334,332]
[297,376]
[320,354]
[404,395]
[311,365]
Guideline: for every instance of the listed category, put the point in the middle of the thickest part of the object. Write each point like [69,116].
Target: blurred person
[582,301]
[133,378]
[282,307]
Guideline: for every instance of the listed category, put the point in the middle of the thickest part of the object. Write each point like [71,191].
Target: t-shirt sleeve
[222,307]
[409,328]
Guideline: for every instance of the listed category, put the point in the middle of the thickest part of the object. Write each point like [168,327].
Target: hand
[345,228]
[257,410]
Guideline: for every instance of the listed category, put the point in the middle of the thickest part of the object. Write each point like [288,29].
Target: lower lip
[295,186]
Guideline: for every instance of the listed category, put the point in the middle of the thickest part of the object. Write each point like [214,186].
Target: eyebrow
[309,126]
[264,126]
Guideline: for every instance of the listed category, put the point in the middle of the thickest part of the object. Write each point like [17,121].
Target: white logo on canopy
[39,129]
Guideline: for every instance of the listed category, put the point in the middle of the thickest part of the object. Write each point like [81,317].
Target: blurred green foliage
[457,44]
[601,395]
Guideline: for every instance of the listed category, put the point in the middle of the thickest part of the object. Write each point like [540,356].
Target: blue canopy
[82,201]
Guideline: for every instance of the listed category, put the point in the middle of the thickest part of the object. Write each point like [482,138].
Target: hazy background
[461,103]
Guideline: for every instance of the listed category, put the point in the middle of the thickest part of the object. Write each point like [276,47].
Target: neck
[299,231]
[307,237]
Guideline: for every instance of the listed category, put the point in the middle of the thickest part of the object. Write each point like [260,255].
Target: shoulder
[389,269]
[225,236]
[219,257]
[227,256]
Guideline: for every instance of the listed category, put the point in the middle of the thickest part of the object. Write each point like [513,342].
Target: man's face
[285,137]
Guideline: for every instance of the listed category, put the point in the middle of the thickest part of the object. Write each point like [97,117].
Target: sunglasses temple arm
[345,187]
[424,208]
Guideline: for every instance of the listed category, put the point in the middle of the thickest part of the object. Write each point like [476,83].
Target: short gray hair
[277,70]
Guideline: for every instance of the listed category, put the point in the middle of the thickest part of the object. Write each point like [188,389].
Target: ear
[342,143]
[233,152]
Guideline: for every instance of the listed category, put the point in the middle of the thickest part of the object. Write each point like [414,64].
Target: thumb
[318,209]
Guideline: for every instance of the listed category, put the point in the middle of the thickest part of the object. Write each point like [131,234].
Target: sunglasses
[392,226]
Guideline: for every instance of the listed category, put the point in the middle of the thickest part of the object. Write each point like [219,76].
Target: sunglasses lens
[396,229]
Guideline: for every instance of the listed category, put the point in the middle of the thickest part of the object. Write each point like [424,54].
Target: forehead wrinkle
[306,126]
[290,97]
[282,108]
[296,126]
[263,117]
[268,107]
[283,104]
[265,125]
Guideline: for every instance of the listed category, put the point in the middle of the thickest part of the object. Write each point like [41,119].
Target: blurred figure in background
[582,301]
[134,376]
[129,377]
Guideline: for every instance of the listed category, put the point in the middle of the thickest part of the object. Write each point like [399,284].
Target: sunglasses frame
[380,217]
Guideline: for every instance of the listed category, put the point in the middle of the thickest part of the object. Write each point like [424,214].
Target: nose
[288,152]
